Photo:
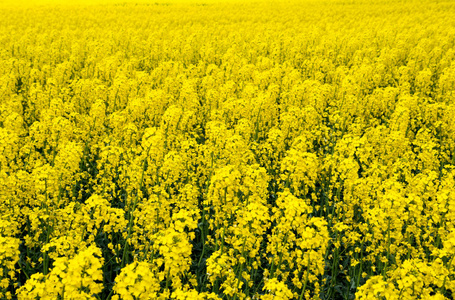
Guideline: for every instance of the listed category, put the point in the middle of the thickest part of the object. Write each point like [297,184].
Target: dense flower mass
[226,149]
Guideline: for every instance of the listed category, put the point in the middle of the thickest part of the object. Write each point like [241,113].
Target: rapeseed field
[227,149]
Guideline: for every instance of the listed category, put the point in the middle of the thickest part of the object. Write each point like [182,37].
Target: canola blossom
[227,149]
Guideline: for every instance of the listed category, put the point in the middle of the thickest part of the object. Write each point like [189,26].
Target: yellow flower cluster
[226,149]
[9,256]
[78,277]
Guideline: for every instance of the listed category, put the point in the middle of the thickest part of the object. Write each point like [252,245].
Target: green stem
[306,277]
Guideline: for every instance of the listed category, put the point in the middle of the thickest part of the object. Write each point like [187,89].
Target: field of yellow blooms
[227,149]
